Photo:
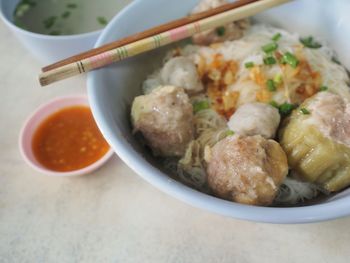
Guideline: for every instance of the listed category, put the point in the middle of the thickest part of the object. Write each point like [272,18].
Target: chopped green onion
[276,37]
[273,104]
[304,111]
[269,61]
[230,133]
[290,59]
[249,64]
[66,14]
[336,61]
[21,9]
[49,22]
[271,85]
[220,31]
[286,108]
[23,6]
[323,88]
[72,6]
[310,42]
[200,105]
[270,47]
[278,79]
[102,20]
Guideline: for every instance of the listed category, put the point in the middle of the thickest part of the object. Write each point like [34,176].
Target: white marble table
[113,215]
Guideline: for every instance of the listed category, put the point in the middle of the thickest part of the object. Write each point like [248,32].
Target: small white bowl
[48,49]
[30,126]
[111,91]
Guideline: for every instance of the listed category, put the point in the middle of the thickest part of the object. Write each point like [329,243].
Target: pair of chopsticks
[153,38]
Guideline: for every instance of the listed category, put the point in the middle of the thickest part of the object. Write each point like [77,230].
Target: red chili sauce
[68,140]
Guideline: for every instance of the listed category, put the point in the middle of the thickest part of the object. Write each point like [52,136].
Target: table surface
[113,215]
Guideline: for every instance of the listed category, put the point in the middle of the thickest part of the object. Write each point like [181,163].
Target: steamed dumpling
[247,169]
[316,139]
[255,119]
[181,72]
[164,117]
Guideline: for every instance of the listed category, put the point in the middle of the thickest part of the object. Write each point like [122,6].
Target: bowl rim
[10,24]
[43,109]
[278,215]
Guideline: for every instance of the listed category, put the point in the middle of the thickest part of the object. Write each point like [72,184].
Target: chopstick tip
[43,80]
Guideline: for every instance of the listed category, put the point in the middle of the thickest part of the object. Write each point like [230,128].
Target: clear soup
[65,17]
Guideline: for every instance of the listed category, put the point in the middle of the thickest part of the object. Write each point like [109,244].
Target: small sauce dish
[45,116]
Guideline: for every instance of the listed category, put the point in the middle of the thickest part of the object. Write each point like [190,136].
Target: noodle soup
[250,113]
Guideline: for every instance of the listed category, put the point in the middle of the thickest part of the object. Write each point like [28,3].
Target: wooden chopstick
[155,41]
[150,32]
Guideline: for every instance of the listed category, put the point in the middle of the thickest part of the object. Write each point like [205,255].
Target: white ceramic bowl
[48,49]
[111,91]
